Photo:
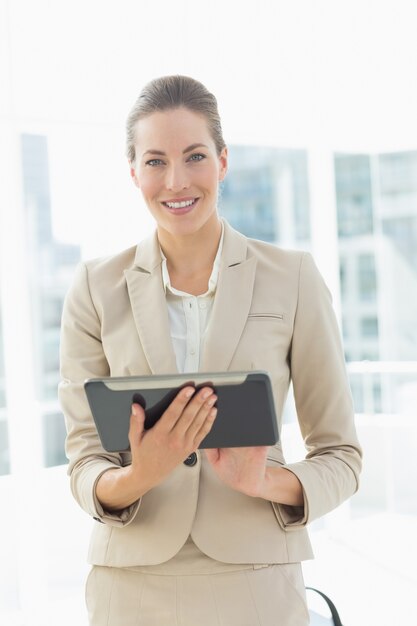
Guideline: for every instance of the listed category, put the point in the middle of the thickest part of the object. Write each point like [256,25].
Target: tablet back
[245,406]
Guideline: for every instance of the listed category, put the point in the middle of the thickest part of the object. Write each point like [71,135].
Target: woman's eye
[193,157]
[200,157]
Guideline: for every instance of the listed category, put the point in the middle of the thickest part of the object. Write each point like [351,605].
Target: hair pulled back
[173,92]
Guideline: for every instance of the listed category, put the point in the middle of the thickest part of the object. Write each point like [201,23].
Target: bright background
[318,103]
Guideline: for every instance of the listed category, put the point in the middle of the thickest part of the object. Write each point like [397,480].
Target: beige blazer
[272,311]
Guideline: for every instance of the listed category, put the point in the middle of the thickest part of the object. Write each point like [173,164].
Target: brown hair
[172,92]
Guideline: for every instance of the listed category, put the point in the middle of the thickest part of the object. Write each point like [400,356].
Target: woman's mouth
[179,208]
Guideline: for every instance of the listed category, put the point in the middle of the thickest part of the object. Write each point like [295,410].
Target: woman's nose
[176,178]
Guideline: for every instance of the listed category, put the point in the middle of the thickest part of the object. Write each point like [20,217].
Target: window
[49,282]
[265,194]
[354,195]
[4,444]
[367,278]
[53,439]
[2,372]
[4,435]
[343,276]
[369,327]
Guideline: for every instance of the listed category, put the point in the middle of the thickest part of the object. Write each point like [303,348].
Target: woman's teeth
[179,205]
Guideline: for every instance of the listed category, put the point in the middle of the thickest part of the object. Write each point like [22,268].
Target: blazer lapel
[231,303]
[228,317]
[149,307]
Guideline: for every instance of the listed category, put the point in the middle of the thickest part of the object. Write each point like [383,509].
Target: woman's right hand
[178,432]
[157,451]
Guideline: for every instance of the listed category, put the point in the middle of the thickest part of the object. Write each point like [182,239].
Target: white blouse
[189,316]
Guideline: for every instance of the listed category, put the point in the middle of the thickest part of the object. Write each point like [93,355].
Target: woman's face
[178,170]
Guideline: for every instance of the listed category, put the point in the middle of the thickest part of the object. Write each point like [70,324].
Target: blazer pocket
[266,316]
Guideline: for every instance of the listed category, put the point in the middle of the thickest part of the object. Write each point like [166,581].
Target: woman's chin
[187,223]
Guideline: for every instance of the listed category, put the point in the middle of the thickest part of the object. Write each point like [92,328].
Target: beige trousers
[261,596]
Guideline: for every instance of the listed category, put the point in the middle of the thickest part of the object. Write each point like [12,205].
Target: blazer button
[191,460]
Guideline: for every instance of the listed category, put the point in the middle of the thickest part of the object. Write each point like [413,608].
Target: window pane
[4,435]
[398,202]
[54,439]
[367,277]
[265,194]
[4,444]
[402,231]
[369,327]
[51,269]
[354,195]
[2,374]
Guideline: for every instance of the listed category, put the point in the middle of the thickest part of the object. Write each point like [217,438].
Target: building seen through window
[50,273]
[265,194]
[354,195]
[4,443]
[398,203]
[377,225]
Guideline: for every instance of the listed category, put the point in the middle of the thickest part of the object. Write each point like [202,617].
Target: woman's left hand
[243,469]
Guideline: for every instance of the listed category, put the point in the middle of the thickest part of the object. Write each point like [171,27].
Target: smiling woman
[180,187]
[185,535]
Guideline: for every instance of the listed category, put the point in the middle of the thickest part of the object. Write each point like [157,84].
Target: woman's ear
[223,163]
[133,174]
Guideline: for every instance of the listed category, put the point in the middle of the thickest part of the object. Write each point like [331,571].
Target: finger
[192,423]
[205,427]
[137,425]
[192,410]
[172,414]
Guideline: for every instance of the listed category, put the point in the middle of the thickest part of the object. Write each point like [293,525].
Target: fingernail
[188,392]
[134,410]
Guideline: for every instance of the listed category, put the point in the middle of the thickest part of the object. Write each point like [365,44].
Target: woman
[185,536]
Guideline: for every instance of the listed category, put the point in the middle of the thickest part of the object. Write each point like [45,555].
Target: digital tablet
[245,406]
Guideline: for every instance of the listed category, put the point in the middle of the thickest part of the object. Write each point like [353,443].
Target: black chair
[320,620]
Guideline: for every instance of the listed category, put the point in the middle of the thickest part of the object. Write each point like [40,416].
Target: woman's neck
[192,255]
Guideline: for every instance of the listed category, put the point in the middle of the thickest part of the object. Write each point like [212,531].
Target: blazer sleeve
[81,357]
[330,472]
